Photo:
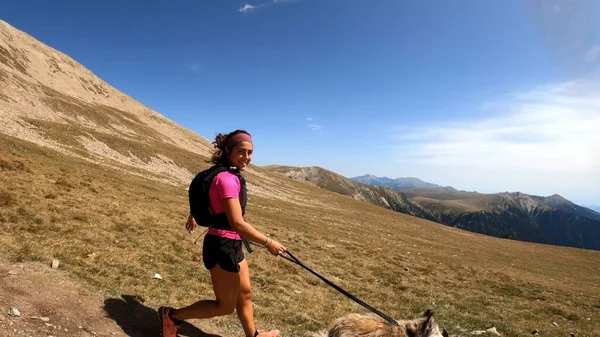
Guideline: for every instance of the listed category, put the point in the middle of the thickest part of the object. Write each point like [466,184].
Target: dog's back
[355,325]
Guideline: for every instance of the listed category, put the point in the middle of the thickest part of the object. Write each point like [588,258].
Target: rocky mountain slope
[50,99]
[378,195]
[552,220]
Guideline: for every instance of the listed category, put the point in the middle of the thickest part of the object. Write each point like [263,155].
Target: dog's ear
[445,333]
[427,325]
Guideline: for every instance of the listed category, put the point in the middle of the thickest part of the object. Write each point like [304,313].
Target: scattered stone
[493,331]
[535,332]
[2,318]
[12,272]
[406,269]
[554,323]
[297,291]
[572,334]
[330,246]
[55,264]
[478,332]
[14,312]
[43,319]
[157,276]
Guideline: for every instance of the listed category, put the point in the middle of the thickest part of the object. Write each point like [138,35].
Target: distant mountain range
[513,215]
[383,196]
[398,183]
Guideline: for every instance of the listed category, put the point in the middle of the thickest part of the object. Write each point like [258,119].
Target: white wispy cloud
[542,142]
[553,128]
[315,127]
[313,124]
[247,8]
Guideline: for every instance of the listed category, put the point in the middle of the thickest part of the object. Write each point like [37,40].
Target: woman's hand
[191,224]
[275,248]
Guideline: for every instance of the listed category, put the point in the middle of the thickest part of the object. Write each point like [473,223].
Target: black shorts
[227,253]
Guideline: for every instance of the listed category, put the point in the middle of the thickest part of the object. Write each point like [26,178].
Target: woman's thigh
[226,286]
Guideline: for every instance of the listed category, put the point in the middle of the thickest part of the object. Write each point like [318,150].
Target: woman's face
[240,155]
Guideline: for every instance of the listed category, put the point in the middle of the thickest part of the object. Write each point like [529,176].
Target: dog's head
[424,326]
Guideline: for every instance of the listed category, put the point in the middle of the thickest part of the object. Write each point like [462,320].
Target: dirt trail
[52,304]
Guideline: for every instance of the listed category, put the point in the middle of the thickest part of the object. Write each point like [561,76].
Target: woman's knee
[225,308]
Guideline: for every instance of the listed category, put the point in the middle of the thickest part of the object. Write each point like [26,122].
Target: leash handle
[247,244]
[293,259]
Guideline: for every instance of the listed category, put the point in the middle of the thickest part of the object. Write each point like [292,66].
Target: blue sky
[489,96]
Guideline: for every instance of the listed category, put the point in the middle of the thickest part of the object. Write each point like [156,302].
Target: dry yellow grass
[113,231]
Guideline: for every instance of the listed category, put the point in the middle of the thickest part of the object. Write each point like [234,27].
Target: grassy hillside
[115,230]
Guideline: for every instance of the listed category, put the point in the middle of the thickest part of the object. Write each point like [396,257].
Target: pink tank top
[225,185]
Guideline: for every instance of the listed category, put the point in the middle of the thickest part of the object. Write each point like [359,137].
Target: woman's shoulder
[226,177]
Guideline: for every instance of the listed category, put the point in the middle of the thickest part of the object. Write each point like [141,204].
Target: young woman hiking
[222,251]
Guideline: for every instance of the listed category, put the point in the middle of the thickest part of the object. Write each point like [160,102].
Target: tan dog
[355,325]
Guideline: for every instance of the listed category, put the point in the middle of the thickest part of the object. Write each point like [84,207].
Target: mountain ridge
[397,183]
[513,215]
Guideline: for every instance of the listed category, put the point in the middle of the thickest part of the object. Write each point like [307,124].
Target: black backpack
[200,201]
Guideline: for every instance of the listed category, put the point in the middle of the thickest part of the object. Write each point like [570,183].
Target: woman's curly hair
[221,153]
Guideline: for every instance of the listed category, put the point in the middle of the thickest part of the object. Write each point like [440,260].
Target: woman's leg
[226,286]
[244,301]
[244,307]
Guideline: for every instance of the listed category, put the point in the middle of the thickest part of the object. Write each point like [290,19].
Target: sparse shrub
[6,199]
[11,166]
[24,212]
[62,182]
[120,226]
[51,195]
[568,314]
[13,217]
[53,208]
[26,253]
[79,216]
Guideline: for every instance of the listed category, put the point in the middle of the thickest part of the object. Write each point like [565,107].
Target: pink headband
[237,138]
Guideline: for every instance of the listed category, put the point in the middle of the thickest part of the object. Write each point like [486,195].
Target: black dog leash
[293,259]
